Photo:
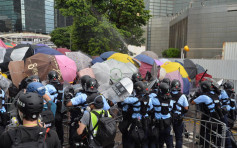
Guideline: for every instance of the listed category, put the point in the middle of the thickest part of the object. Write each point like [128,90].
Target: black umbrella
[18,53]
[191,68]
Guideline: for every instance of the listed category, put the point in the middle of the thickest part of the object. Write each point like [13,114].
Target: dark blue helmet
[36,87]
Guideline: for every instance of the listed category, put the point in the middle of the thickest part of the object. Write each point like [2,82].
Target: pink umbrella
[144,68]
[158,62]
[2,44]
[63,50]
[67,67]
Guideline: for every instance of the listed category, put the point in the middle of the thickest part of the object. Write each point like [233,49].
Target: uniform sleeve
[185,101]
[224,95]
[150,104]
[130,100]
[106,105]
[79,99]
[199,99]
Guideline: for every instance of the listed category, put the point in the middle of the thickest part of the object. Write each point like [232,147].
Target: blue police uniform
[2,95]
[178,124]
[80,98]
[164,132]
[51,92]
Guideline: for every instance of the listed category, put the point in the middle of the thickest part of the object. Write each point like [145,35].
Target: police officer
[4,117]
[180,107]
[166,80]
[161,129]
[141,105]
[136,77]
[229,102]
[54,81]
[29,106]
[209,109]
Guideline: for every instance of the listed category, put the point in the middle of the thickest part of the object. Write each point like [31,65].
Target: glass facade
[27,15]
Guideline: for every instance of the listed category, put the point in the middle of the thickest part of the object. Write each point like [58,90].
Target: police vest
[164,104]
[175,98]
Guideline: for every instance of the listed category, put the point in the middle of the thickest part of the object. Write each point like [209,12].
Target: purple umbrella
[159,63]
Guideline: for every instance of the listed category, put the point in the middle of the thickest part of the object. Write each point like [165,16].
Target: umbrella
[200,69]
[151,54]
[145,59]
[119,70]
[41,64]
[164,60]
[200,75]
[144,68]
[63,50]
[190,67]
[2,44]
[2,53]
[122,58]
[162,74]
[173,66]
[175,75]
[18,53]
[86,71]
[81,59]
[158,62]
[102,75]
[67,67]
[47,50]
[107,54]
[4,83]
[42,45]
[119,91]
[9,45]
[97,60]
[16,69]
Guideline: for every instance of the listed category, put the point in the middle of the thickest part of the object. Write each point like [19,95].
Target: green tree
[171,53]
[103,25]
[61,37]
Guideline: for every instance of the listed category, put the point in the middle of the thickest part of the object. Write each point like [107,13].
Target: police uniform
[138,120]
[162,122]
[180,101]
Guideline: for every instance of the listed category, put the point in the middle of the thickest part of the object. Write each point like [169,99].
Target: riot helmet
[91,85]
[206,86]
[52,75]
[175,85]
[164,88]
[36,87]
[34,78]
[166,80]
[83,80]
[25,82]
[30,105]
[140,87]
[136,77]
[228,85]
[68,92]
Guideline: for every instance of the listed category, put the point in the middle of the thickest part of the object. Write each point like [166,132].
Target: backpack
[15,136]
[106,131]
[48,117]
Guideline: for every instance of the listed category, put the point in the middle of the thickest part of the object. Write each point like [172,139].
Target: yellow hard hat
[186,48]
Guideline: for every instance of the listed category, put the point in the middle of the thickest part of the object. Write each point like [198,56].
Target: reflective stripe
[232,100]
[164,104]
[216,101]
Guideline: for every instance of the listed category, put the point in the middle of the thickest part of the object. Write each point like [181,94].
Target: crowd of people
[35,118]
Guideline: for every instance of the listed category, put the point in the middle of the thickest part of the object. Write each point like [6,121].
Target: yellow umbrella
[3,74]
[173,66]
[122,58]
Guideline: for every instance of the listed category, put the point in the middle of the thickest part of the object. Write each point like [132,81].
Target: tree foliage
[104,25]
[171,53]
[61,37]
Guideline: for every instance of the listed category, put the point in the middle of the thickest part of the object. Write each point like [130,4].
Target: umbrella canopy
[5,83]
[97,60]
[190,67]
[2,44]
[9,45]
[107,54]
[122,58]
[102,75]
[18,53]
[175,75]
[200,69]
[144,68]
[67,67]
[145,59]
[119,70]
[162,74]
[119,91]
[41,64]
[200,75]
[47,50]
[173,66]
[158,62]
[164,60]
[63,50]
[16,69]
[151,54]
[86,71]
[42,45]
[82,60]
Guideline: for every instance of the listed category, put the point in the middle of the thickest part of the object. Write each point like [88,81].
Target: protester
[30,134]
